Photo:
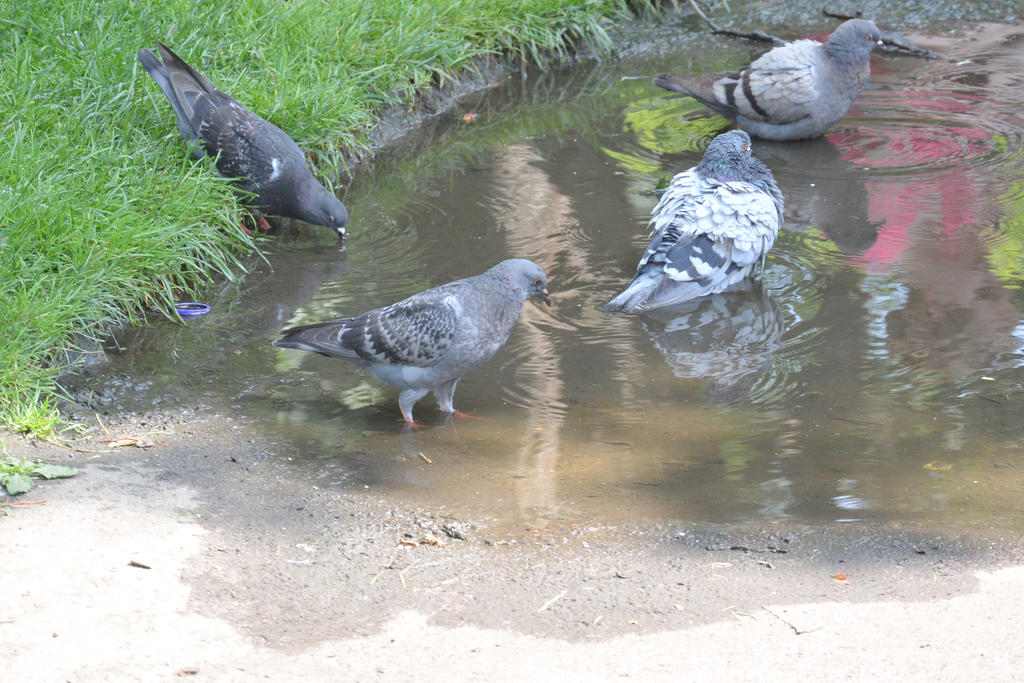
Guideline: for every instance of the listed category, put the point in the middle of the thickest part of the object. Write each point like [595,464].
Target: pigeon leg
[406,400]
[445,398]
[262,223]
[446,395]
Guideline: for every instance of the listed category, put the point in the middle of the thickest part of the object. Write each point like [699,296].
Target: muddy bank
[250,572]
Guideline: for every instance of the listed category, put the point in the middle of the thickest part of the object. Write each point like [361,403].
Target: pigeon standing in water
[428,341]
[794,91]
[266,162]
[711,227]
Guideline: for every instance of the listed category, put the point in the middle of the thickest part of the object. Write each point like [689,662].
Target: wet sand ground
[253,574]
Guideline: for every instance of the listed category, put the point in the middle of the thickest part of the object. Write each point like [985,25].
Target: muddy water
[873,373]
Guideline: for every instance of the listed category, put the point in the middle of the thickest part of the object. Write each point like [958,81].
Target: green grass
[103,214]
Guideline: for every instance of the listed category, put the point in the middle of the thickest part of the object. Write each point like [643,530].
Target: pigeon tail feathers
[652,289]
[700,88]
[323,338]
[158,71]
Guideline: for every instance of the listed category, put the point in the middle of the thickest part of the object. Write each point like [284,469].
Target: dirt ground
[251,573]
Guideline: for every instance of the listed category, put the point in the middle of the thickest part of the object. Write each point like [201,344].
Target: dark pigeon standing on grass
[266,162]
[428,341]
[797,90]
[714,223]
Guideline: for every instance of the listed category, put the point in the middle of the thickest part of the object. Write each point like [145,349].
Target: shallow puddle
[873,373]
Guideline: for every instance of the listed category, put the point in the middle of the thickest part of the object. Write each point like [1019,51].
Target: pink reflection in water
[926,154]
[928,186]
[910,209]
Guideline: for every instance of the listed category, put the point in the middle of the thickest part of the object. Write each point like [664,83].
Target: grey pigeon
[428,341]
[711,227]
[797,90]
[266,162]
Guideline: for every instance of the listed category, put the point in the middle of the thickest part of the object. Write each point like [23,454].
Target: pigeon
[428,341]
[710,228]
[264,160]
[794,91]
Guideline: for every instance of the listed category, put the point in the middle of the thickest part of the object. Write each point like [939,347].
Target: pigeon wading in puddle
[712,226]
[264,160]
[797,90]
[428,341]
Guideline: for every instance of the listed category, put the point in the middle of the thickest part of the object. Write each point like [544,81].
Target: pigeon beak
[341,233]
[544,296]
[880,42]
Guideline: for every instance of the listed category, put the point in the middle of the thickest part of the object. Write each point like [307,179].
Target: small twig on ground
[401,574]
[737,613]
[752,35]
[552,601]
[842,17]
[795,629]
[10,503]
[896,42]
[103,426]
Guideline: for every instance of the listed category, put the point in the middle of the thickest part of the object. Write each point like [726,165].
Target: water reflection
[956,317]
[824,191]
[196,362]
[728,340]
[537,220]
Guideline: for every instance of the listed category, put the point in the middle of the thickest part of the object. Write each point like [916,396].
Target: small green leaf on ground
[55,471]
[16,475]
[16,483]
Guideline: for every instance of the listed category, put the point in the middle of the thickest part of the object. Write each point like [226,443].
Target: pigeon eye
[536,281]
[868,38]
[745,148]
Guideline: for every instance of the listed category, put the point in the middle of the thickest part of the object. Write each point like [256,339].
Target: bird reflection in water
[823,190]
[728,340]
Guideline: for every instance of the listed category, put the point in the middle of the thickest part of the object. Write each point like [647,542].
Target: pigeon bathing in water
[260,155]
[428,341]
[794,91]
[711,227]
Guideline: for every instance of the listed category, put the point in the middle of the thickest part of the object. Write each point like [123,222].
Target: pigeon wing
[237,139]
[702,225]
[417,331]
[158,70]
[188,86]
[779,87]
